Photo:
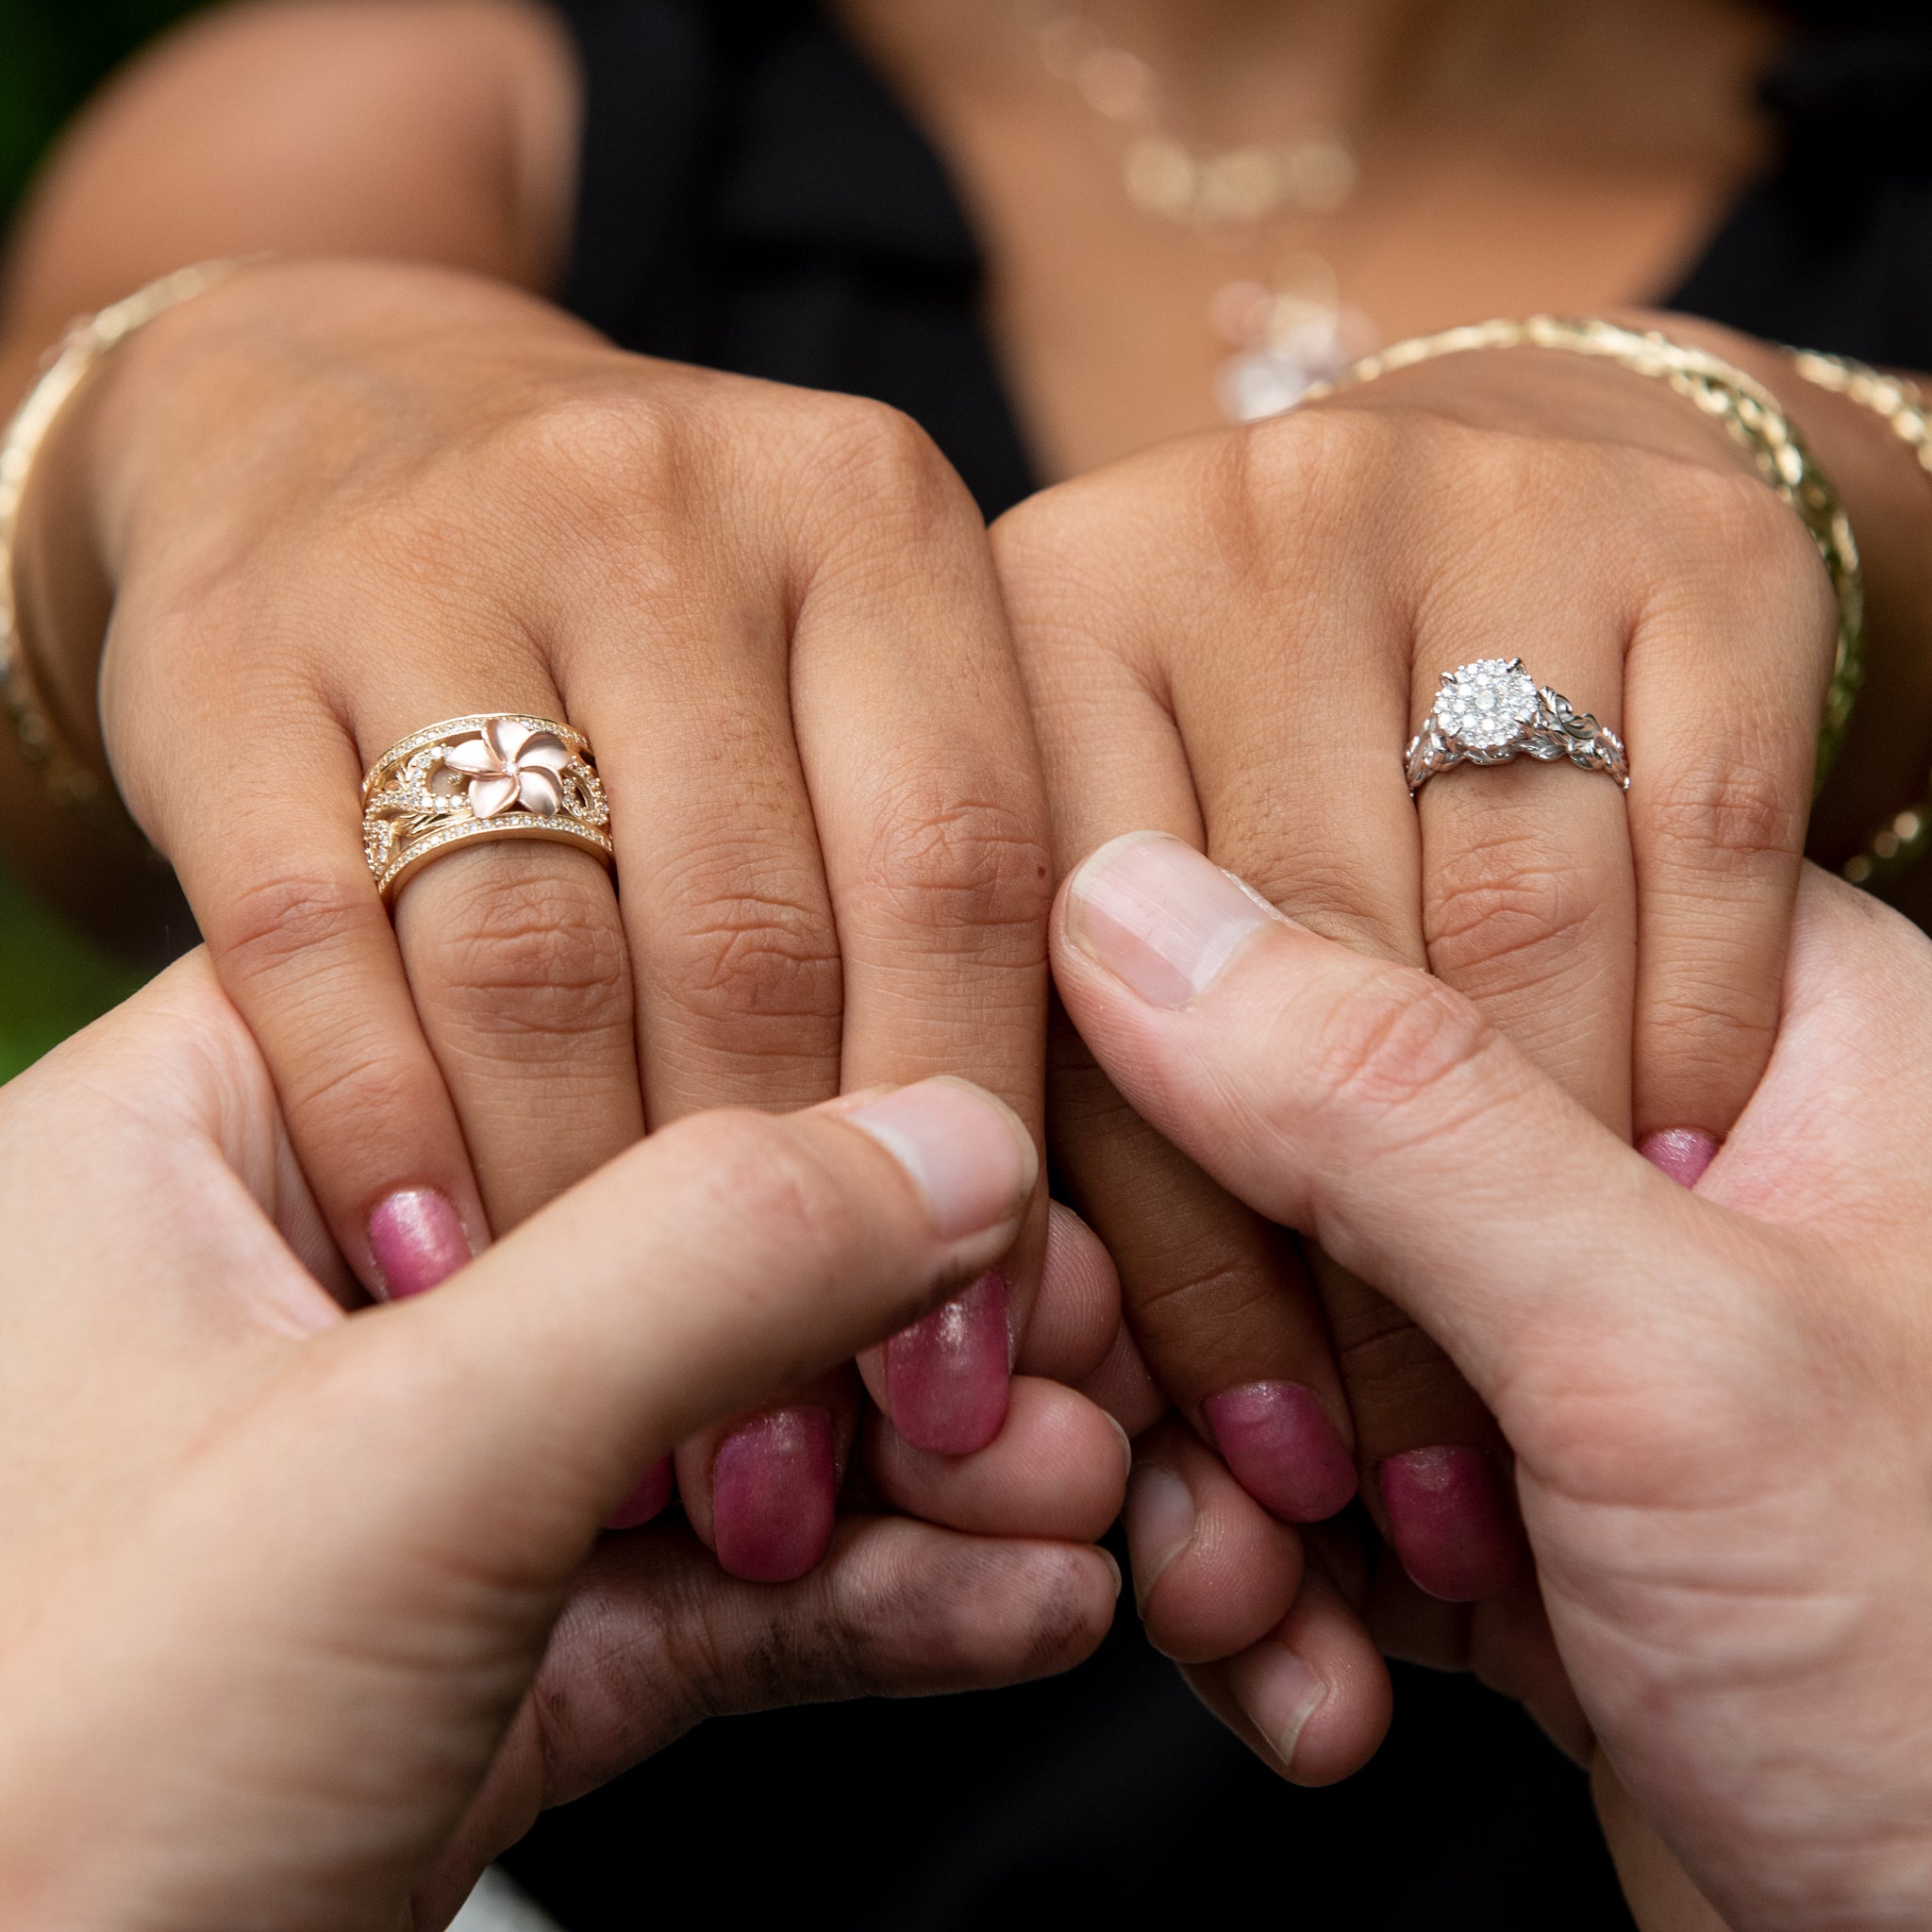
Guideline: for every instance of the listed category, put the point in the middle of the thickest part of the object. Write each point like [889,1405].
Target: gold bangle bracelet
[1902,406]
[71,781]
[1748,410]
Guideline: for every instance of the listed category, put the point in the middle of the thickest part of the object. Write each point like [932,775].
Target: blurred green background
[52,54]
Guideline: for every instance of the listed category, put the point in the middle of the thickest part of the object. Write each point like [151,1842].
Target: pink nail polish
[947,1376]
[1280,1446]
[1161,917]
[1450,1522]
[1683,1153]
[417,1239]
[646,1500]
[772,1496]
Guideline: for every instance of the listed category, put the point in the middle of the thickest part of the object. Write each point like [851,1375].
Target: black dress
[753,199]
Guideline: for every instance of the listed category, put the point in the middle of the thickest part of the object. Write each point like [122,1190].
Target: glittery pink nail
[772,1496]
[1280,1446]
[1450,1522]
[417,1239]
[947,1376]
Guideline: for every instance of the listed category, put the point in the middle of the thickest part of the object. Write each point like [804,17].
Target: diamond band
[1490,712]
[495,776]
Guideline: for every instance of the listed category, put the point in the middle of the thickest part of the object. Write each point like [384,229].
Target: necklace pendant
[1295,344]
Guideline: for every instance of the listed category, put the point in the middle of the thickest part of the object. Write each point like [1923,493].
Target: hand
[1717,1402]
[292,1623]
[1233,637]
[348,501]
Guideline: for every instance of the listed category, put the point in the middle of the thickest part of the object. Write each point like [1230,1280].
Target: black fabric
[755,200]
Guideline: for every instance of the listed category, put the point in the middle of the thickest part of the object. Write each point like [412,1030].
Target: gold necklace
[1287,332]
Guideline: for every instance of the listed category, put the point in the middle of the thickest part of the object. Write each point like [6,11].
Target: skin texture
[374,484]
[1247,686]
[1716,1425]
[305,1612]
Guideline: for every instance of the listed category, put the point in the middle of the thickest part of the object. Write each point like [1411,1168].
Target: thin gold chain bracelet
[1748,410]
[1903,408]
[71,781]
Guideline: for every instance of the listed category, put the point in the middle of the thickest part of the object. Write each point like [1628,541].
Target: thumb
[732,1254]
[1365,1104]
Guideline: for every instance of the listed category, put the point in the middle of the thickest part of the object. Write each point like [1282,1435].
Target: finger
[680,674]
[1859,977]
[282,894]
[1366,1103]
[763,1489]
[518,961]
[1221,1307]
[1312,1699]
[728,1254]
[923,773]
[1076,1317]
[1212,1571]
[1722,684]
[1528,906]
[655,1641]
[1057,1469]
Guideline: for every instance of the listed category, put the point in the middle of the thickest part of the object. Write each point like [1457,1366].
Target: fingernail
[1280,1446]
[646,1500]
[1683,1153]
[1450,1522]
[1107,1558]
[417,1239]
[771,1495]
[1161,917]
[948,1375]
[1160,1518]
[970,1154]
[1278,1693]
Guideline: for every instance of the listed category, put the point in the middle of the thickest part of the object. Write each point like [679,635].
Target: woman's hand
[1234,638]
[343,502]
[1717,1402]
[293,1621]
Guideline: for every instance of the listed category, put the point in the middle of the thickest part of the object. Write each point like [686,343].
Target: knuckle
[1399,1038]
[1713,1038]
[950,863]
[1503,904]
[878,455]
[597,445]
[1182,1298]
[751,950]
[1712,817]
[290,926]
[1389,1366]
[1726,531]
[537,956]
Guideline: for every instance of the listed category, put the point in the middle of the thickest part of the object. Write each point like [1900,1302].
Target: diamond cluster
[1485,706]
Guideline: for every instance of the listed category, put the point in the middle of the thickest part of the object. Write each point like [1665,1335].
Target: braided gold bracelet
[71,781]
[1903,405]
[1748,410]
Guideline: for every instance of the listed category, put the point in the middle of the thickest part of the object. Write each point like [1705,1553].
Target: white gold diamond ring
[1490,712]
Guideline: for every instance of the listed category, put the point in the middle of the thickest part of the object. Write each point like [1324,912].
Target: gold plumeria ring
[501,775]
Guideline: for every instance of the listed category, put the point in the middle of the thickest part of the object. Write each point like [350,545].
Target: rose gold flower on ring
[510,764]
